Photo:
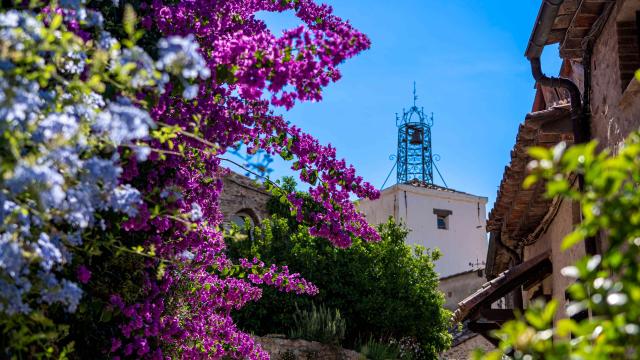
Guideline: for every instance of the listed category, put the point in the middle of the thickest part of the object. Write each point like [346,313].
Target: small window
[442,222]
[442,218]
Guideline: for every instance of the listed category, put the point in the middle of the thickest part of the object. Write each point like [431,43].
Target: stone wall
[457,287]
[464,349]
[241,195]
[615,102]
[287,349]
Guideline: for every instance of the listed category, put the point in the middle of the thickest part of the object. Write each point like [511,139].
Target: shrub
[318,324]
[375,350]
[409,348]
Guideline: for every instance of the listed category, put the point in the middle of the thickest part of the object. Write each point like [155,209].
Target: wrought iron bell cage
[415,156]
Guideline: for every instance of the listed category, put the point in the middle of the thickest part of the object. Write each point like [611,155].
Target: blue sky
[466,57]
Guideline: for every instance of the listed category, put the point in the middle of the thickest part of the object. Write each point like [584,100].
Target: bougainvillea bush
[115,119]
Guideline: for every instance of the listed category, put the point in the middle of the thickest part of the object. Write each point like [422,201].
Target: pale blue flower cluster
[57,181]
[196,212]
[123,197]
[18,28]
[75,62]
[56,125]
[59,291]
[18,102]
[180,56]
[108,43]
[75,10]
[144,73]
[66,167]
[122,122]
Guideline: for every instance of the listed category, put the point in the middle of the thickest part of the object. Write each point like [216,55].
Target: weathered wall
[462,243]
[562,225]
[463,350]
[286,349]
[457,287]
[615,112]
[243,194]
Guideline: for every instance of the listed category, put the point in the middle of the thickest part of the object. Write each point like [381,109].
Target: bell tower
[414,156]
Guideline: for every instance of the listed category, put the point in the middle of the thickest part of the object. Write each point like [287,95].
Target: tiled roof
[531,270]
[572,24]
[518,211]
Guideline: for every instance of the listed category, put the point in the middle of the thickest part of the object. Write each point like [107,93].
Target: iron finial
[415,96]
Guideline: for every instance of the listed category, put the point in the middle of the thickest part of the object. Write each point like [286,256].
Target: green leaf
[535,320]
[565,327]
[556,187]
[56,22]
[549,311]
[572,239]
[539,153]
[529,181]
[129,20]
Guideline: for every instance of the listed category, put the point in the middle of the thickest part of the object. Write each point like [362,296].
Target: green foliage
[385,289]
[375,350]
[318,324]
[607,286]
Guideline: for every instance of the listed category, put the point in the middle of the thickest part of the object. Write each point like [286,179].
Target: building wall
[562,224]
[457,287]
[462,243]
[240,194]
[615,113]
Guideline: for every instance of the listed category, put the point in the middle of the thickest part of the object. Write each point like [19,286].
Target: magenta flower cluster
[187,313]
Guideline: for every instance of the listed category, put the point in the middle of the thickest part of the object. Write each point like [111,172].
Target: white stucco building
[438,217]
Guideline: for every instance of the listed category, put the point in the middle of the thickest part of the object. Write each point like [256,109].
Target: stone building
[457,287]
[596,97]
[243,199]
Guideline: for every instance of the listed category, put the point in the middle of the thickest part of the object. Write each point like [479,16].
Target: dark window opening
[442,222]
[628,48]
[442,218]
